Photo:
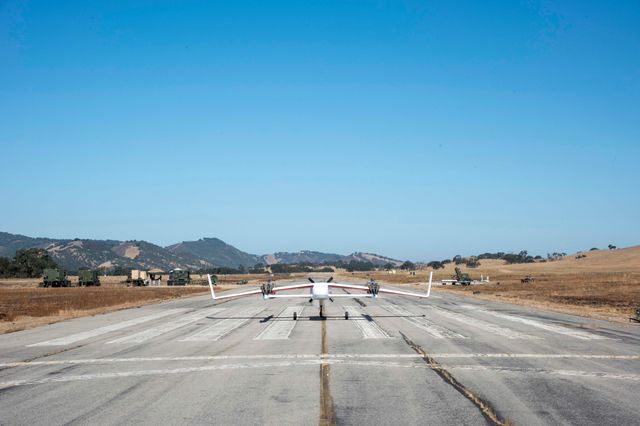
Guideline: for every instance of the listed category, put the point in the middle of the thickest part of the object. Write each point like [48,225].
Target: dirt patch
[132,252]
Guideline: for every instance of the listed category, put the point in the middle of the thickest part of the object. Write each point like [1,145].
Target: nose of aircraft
[320,291]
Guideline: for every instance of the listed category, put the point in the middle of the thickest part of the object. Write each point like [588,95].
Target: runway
[397,360]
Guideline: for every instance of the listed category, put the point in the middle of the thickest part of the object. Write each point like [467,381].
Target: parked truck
[138,278]
[179,277]
[87,278]
[55,278]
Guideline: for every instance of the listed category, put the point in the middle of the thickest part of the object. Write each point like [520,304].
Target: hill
[214,251]
[83,253]
[304,256]
[603,284]
[10,243]
[316,257]
[376,259]
[204,253]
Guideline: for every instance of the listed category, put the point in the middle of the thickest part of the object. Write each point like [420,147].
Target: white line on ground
[430,327]
[483,325]
[280,327]
[224,327]
[317,356]
[167,327]
[314,362]
[67,340]
[539,324]
[369,329]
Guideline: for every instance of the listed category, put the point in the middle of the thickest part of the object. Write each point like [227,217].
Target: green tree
[388,266]
[29,263]
[408,266]
[435,264]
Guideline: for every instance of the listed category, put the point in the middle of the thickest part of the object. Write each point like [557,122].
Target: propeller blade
[311,280]
[330,279]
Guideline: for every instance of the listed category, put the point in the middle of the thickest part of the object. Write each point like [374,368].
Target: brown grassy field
[604,284]
[24,305]
[22,308]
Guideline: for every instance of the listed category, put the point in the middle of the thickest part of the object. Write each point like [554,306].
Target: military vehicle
[87,278]
[55,278]
[637,317]
[179,277]
[462,278]
[155,278]
[138,278]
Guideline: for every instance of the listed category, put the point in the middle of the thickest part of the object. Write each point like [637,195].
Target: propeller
[311,280]
[330,279]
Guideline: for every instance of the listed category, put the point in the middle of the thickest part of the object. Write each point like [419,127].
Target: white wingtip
[213,293]
[430,277]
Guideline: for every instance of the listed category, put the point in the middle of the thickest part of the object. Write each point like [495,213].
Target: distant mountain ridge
[201,254]
[215,251]
[307,256]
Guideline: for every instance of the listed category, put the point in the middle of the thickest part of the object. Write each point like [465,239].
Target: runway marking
[424,324]
[369,329]
[220,329]
[315,362]
[483,325]
[106,329]
[281,326]
[316,356]
[150,333]
[539,324]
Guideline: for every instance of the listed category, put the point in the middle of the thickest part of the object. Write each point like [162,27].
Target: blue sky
[418,130]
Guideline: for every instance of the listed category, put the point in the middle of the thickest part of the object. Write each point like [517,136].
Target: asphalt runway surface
[396,360]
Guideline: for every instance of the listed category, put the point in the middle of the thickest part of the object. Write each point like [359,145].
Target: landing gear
[321,314]
[346,315]
[295,316]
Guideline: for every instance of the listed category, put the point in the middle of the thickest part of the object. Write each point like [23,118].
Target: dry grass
[604,284]
[604,295]
[22,308]
[24,305]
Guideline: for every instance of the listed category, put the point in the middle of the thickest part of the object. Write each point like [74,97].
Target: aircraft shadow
[319,318]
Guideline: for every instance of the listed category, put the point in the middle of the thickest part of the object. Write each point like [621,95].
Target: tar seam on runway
[327,416]
[485,408]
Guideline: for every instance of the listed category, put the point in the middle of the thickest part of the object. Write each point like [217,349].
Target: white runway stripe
[167,326]
[315,362]
[483,325]
[539,324]
[280,327]
[197,358]
[423,323]
[369,329]
[72,338]
[224,327]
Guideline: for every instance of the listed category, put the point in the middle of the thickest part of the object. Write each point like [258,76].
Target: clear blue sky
[418,130]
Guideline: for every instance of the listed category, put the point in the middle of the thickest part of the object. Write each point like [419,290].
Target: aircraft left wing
[265,294]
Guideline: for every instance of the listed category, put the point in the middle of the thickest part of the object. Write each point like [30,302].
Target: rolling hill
[214,251]
[201,254]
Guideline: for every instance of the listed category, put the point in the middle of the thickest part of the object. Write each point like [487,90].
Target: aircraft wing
[351,286]
[385,290]
[256,291]
[291,287]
